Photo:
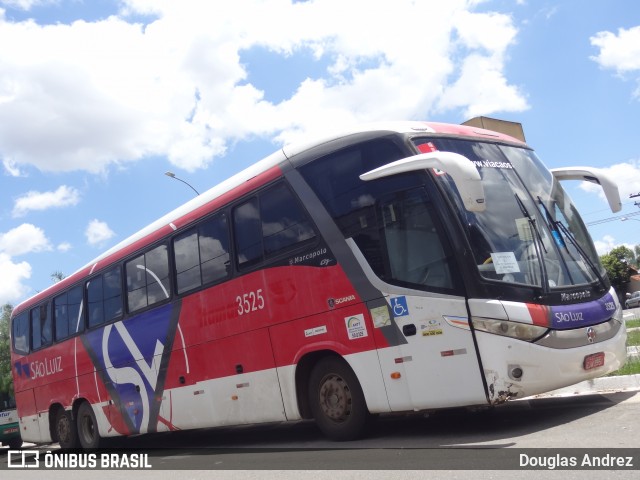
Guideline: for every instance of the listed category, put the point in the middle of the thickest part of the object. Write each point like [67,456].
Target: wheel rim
[335,398]
[87,429]
[64,429]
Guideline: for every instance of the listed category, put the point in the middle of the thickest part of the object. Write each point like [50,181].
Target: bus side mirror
[593,175]
[462,170]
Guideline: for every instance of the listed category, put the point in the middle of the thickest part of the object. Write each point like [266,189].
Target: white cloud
[25,238]
[605,245]
[64,247]
[112,91]
[63,197]
[13,274]
[482,89]
[25,4]
[11,169]
[98,232]
[608,243]
[619,52]
[625,175]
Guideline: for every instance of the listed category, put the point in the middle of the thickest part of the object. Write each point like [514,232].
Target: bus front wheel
[336,400]
[87,427]
[66,430]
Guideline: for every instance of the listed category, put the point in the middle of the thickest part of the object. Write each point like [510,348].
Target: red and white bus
[402,267]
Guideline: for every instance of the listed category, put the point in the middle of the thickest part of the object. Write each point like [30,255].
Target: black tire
[15,443]
[66,431]
[337,401]
[88,433]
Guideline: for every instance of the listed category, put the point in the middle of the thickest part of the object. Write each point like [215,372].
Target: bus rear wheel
[337,401]
[87,427]
[65,429]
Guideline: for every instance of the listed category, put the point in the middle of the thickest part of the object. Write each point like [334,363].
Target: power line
[612,219]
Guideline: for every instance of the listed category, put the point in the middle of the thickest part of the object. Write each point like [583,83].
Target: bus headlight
[521,331]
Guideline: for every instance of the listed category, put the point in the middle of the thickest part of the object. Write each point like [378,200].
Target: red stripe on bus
[539,314]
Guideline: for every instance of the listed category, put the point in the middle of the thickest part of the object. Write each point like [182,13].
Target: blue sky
[99,98]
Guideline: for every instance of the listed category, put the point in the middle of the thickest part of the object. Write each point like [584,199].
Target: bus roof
[252,177]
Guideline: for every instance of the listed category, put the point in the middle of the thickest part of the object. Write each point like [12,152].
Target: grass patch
[632,367]
[633,323]
[633,338]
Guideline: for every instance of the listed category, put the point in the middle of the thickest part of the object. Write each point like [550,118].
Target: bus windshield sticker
[356,327]
[381,317]
[505,262]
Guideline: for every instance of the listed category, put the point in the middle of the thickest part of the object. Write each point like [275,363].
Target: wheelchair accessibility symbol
[399,306]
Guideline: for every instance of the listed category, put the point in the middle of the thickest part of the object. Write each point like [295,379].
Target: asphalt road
[456,442]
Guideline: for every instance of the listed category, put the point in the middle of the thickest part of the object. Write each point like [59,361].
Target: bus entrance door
[438,353]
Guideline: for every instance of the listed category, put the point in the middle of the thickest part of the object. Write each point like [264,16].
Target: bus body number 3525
[250,302]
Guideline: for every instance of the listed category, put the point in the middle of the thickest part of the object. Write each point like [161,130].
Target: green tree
[617,263]
[57,276]
[6,382]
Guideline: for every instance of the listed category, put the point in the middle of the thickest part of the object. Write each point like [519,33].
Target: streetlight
[173,175]
[624,219]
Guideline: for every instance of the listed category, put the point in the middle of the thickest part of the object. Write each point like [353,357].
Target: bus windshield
[530,232]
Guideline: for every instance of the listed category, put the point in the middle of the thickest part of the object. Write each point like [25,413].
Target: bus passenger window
[148,279]
[112,295]
[66,313]
[213,239]
[284,223]
[187,259]
[20,333]
[104,297]
[248,233]
[41,331]
[61,316]
[202,254]
[269,224]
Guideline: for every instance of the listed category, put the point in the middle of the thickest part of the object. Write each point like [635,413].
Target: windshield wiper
[557,229]
[538,245]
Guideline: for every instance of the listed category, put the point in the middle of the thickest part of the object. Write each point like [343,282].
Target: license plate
[594,360]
